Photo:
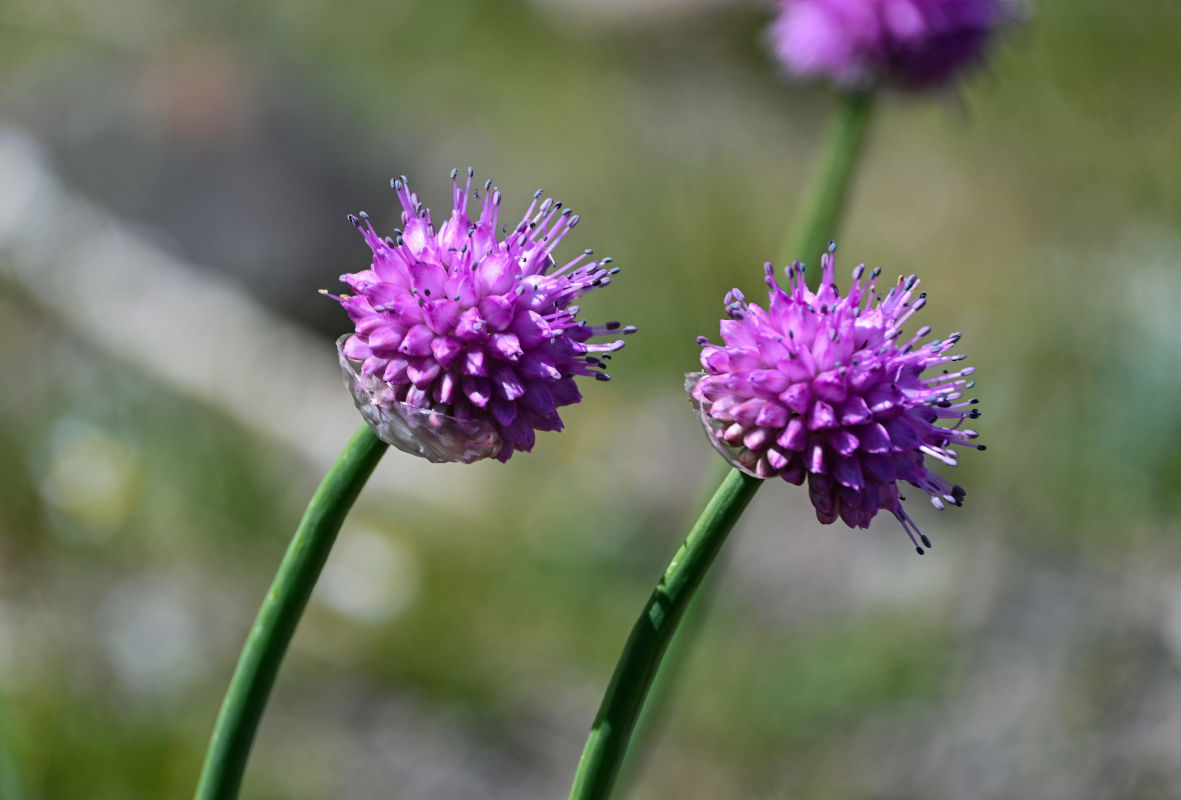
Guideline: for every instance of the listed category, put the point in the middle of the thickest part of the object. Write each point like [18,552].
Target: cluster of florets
[818,387]
[859,43]
[467,342]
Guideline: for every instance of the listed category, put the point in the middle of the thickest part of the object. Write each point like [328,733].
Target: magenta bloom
[858,43]
[467,343]
[818,386]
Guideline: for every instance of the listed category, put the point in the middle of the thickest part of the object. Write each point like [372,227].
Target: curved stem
[824,198]
[816,223]
[601,759]
[258,665]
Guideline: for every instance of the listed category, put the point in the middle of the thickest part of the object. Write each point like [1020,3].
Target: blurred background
[174,179]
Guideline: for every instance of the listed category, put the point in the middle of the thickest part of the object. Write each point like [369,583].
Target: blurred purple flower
[914,44]
[818,386]
[466,343]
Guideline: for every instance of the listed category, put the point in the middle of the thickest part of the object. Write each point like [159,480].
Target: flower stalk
[650,636]
[245,700]
[824,197]
[816,222]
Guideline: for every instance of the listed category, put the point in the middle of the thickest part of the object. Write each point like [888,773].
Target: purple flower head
[914,44]
[819,386]
[467,343]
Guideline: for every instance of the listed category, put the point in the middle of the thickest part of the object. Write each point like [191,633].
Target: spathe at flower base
[467,343]
[424,432]
[817,387]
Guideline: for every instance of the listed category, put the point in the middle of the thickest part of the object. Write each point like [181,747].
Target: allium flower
[467,343]
[817,386]
[910,43]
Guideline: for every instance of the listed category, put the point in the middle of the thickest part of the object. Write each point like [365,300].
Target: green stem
[258,665]
[824,198]
[816,224]
[680,648]
[651,634]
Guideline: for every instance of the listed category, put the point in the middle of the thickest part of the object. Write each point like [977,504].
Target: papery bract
[466,341]
[818,387]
